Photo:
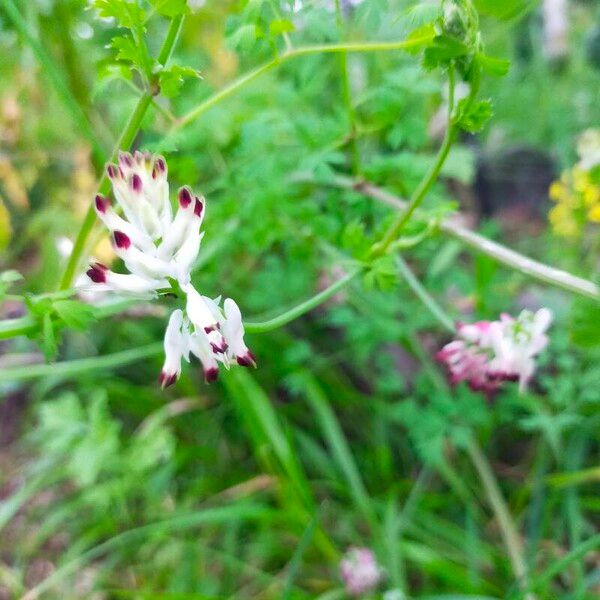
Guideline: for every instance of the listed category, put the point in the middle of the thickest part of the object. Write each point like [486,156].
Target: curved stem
[234,86]
[302,308]
[418,196]
[417,287]
[507,526]
[124,142]
[73,368]
[24,325]
[502,254]
[430,178]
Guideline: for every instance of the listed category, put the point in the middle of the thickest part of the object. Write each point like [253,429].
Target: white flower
[488,353]
[175,349]
[153,244]
[360,571]
[158,249]
[516,342]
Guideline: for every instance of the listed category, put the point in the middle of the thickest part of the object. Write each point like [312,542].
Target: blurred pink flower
[487,353]
[360,571]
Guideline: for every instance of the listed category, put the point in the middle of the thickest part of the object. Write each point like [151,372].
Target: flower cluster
[159,249]
[487,353]
[360,571]
[577,193]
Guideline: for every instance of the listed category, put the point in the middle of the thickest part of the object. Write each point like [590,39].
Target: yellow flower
[591,195]
[556,191]
[594,214]
[581,179]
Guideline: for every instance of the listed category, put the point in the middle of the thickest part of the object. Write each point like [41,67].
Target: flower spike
[486,354]
[158,248]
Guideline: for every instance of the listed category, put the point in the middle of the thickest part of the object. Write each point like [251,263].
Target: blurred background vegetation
[347,434]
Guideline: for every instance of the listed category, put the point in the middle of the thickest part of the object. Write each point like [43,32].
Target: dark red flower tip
[136,183]
[97,273]
[210,328]
[184,196]
[112,171]
[219,349]
[160,165]
[166,379]
[121,240]
[248,360]
[211,375]
[102,203]
[125,159]
[198,207]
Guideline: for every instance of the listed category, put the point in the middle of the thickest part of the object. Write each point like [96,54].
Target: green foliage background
[347,434]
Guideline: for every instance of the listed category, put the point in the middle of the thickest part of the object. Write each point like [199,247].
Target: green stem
[14,327]
[431,176]
[74,368]
[301,308]
[418,195]
[24,325]
[11,328]
[245,79]
[55,78]
[347,93]
[453,227]
[124,142]
[508,528]
[417,287]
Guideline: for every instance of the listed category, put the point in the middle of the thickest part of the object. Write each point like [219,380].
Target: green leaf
[170,8]
[383,274]
[75,314]
[443,49]
[243,37]
[127,50]
[472,116]
[355,239]
[585,324]
[48,341]
[127,14]
[280,26]
[172,79]
[493,66]
[427,32]
[506,9]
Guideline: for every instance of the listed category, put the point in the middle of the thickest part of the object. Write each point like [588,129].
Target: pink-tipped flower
[102,204]
[97,273]
[488,353]
[360,572]
[122,240]
[158,247]
[184,196]
[176,348]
